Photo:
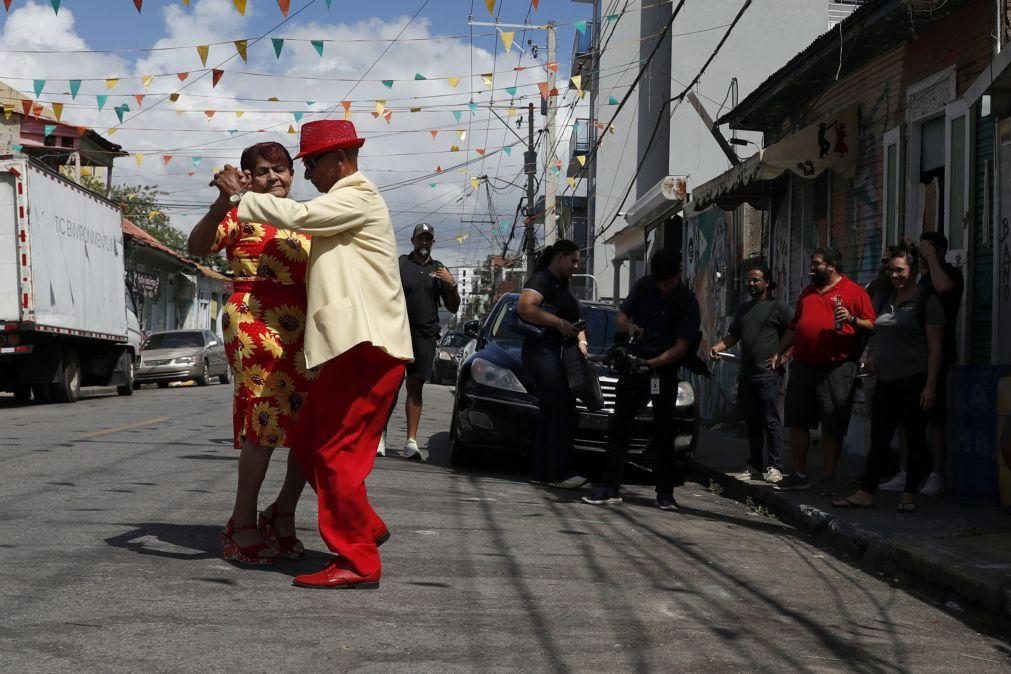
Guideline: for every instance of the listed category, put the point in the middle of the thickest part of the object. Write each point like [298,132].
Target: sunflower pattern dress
[263,324]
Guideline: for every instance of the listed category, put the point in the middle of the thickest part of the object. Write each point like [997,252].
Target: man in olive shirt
[759,326]
[427,282]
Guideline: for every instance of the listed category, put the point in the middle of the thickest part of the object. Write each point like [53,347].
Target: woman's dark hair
[271,151]
[560,247]
[832,257]
[665,264]
[907,249]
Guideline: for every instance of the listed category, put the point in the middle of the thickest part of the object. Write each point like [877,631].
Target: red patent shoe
[248,554]
[289,546]
[335,576]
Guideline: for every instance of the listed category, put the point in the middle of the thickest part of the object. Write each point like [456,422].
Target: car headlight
[444,356]
[184,360]
[489,374]
[686,394]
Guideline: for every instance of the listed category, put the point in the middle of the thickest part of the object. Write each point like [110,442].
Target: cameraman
[661,317]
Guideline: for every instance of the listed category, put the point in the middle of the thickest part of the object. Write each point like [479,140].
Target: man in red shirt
[824,340]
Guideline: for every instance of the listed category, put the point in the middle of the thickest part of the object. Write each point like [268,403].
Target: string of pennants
[240,5]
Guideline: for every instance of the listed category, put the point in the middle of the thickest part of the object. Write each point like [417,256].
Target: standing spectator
[661,315]
[908,334]
[548,301]
[825,344]
[427,283]
[948,283]
[759,326]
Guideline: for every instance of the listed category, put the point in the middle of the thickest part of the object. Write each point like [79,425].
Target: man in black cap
[427,282]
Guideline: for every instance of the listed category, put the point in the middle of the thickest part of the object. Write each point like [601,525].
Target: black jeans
[894,403]
[632,393]
[552,454]
[760,403]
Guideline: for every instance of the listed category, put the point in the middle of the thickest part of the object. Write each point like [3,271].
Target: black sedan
[496,410]
[453,349]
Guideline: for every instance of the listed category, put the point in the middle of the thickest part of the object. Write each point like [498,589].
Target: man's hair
[665,264]
[560,247]
[831,256]
[271,151]
[939,240]
[766,274]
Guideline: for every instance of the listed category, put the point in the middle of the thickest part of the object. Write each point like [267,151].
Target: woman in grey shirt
[908,336]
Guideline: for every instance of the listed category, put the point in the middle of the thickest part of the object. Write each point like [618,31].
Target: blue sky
[432,123]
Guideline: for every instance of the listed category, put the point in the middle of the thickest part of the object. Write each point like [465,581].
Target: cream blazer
[355,294]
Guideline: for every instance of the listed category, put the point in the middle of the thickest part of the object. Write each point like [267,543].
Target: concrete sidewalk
[959,554]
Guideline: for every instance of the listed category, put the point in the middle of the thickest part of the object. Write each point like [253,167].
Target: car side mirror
[212,343]
[472,328]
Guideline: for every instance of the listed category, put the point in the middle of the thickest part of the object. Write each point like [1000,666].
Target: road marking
[118,429]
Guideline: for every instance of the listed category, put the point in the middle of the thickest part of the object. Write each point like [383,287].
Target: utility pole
[530,166]
[552,223]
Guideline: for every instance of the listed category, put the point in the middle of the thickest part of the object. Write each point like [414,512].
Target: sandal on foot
[907,507]
[247,554]
[846,503]
[289,546]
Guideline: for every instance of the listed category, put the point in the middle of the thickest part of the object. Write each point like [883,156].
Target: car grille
[609,388]
[156,363]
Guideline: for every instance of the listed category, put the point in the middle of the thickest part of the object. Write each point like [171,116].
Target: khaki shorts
[821,394]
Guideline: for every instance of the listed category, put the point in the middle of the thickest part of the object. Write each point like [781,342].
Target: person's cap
[423,228]
[327,135]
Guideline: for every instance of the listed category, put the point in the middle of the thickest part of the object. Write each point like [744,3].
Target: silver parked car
[182,355]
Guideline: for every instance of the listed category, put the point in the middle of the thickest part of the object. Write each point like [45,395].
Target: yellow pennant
[415,109]
[57,110]
[453,81]
[139,158]
[291,129]
[454,148]
[507,39]
[462,134]
[461,238]
[240,47]
[8,110]
[347,115]
[474,182]
[581,158]
[380,107]
[577,82]
[487,78]
[510,112]
[582,94]
[241,6]
[111,82]
[110,132]
[202,51]
[572,183]
[239,113]
[490,4]
[147,79]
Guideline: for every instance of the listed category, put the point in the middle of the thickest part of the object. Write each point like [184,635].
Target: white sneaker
[897,483]
[749,473]
[933,486]
[574,482]
[772,475]
[411,450]
[381,449]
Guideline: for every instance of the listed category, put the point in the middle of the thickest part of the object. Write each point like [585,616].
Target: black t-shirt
[423,292]
[950,302]
[758,327]
[664,320]
[558,298]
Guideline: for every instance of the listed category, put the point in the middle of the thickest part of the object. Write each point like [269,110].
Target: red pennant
[479,150]
[534,3]
[37,109]
[284,5]
[7,5]
[182,76]
[140,98]
[166,158]
[545,90]
[438,169]
[209,113]
[191,173]
[26,105]
[138,4]
[216,76]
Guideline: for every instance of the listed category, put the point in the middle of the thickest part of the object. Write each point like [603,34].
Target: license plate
[593,422]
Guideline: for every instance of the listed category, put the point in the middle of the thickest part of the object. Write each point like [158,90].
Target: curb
[988,600]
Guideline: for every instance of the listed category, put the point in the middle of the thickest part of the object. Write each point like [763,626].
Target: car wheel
[461,453]
[204,379]
[226,376]
[128,386]
[68,388]
[163,384]
[42,393]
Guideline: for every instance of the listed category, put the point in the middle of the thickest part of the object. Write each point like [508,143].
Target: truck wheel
[23,393]
[204,379]
[67,389]
[226,376]
[128,386]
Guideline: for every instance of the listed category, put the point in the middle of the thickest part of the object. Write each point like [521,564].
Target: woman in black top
[547,301]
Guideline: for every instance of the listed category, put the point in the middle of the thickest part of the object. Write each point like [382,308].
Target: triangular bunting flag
[581,158]
[101,101]
[479,150]
[239,114]
[453,81]
[139,158]
[434,133]
[328,3]
[388,116]
[75,86]
[147,79]
[432,185]
[346,105]
[240,47]
[111,82]
[285,5]
[56,5]
[577,82]
[278,43]
[507,39]
[572,182]
[388,84]
[461,238]
[310,102]
[174,97]
[534,3]
[612,17]
[138,4]
[380,107]
[462,134]
[490,4]
[454,148]
[121,110]
[202,51]
[474,182]
[8,110]
[488,79]
[457,115]
[510,112]
[438,169]
[291,129]
[297,116]
[508,150]
[49,128]
[511,91]
[57,110]
[241,6]
[415,109]
[165,159]
[419,76]
[318,46]
[473,106]
[196,161]
[38,85]
[545,89]
[580,26]
[216,76]
[26,106]
[612,100]
[7,5]
[182,76]
[209,113]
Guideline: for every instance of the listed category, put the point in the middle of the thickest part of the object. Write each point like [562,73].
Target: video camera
[620,359]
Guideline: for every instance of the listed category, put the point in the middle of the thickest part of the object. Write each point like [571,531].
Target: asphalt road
[109,561]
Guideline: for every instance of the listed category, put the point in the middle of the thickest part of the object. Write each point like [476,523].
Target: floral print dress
[263,324]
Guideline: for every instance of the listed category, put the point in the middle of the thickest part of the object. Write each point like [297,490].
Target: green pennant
[612,17]
[457,114]
[508,150]
[473,106]
[580,26]
[39,85]
[310,102]
[318,46]
[75,86]
[297,116]
[278,43]
[121,110]
[196,161]
[102,98]
[56,5]
[388,84]
[328,3]
[511,91]
[49,129]
[612,100]
[419,76]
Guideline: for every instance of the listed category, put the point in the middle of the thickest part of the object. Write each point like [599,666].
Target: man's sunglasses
[312,162]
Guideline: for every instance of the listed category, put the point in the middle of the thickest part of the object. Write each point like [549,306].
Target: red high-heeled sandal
[289,546]
[249,554]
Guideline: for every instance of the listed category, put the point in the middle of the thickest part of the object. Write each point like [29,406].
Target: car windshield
[601,325]
[174,340]
[455,340]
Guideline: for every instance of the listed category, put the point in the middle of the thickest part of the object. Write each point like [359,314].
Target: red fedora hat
[327,135]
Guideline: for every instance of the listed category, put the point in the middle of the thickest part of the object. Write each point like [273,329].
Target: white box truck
[64,321]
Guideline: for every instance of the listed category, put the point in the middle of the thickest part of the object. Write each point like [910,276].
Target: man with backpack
[661,317]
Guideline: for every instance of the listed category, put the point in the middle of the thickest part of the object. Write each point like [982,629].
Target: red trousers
[335,446]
